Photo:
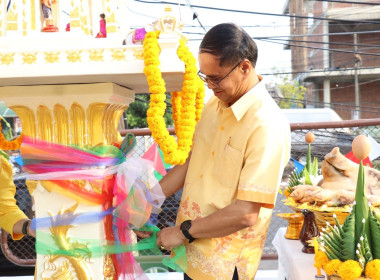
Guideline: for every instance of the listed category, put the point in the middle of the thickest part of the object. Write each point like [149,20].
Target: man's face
[224,81]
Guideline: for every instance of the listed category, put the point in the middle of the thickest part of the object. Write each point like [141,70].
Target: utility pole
[357,58]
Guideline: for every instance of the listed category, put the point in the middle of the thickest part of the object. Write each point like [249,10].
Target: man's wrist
[185,227]
[25,227]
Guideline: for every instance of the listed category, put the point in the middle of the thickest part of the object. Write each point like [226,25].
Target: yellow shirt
[239,152]
[9,212]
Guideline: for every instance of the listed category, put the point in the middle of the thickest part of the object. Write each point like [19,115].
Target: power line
[349,2]
[195,15]
[328,49]
[263,14]
[338,106]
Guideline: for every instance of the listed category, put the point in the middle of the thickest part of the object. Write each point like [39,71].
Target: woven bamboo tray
[336,277]
[322,217]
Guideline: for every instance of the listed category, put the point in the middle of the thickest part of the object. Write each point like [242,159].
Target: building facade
[335,49]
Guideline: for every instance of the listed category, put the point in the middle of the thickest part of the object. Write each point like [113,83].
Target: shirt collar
[241,106]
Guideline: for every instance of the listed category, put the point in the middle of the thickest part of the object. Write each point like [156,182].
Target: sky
[270,55]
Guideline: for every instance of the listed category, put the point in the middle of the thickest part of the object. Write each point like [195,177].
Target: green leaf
[307,178]
[348,243]
[5,155]
[308,158]
[314,167]
[294,179]
[332,243]
[361,207]
[374,226]
[366,249]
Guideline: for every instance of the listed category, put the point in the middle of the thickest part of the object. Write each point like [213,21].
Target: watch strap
[185,226]
[25,226]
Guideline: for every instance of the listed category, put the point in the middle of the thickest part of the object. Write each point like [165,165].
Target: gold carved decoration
[33,15]
[95,114]
[80,184]
[118,54]
[76,184]
[78,125]
[138,53]
[12,15]
[74,56]
[74,23]
[111,29]
[111,18]
[12,26]
[109,271]
[32,185]
[29,57]
[97,185]
[52,57]
[111,117]
[28,120]
[7,58]
[96,55]
[45,123]
[75,12]
[61,267]
[61,124]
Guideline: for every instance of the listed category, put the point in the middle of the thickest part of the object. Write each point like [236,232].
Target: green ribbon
[48,244]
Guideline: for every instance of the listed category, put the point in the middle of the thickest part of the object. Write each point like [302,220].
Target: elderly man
[231,178]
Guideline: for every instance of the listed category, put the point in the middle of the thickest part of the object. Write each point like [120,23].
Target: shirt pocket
[228,166]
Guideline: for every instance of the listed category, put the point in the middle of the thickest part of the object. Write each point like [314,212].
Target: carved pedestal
[83,115]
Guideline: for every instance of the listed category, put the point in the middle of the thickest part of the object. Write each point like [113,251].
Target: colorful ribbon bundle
[125,193]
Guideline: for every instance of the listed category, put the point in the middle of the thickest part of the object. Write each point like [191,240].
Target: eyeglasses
[214,82]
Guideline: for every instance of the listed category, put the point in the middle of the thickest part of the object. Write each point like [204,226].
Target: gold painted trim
[28,120]
[61,124]
[95,117]
[45,123]
[78,134]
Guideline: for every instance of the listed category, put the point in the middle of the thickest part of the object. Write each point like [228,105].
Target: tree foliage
[293,93]
[136,112]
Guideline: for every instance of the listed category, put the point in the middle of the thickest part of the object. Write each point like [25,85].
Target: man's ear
[245,66]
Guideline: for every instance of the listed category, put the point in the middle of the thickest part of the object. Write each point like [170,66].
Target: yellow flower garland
[9,145]
[187,104]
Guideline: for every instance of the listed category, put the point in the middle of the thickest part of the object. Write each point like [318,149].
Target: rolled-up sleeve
[10,213]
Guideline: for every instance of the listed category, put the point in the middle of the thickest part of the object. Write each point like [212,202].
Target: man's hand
[169,238]
[143,234]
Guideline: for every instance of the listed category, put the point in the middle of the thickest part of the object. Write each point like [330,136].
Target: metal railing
[327,135]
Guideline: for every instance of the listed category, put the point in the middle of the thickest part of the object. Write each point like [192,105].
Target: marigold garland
[350,270]
[9,145]
[372,269]
[187,104]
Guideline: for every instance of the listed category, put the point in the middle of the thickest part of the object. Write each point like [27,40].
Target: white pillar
[326,59]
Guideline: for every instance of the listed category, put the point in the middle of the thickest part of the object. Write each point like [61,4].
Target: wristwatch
[25,227]
[185,226]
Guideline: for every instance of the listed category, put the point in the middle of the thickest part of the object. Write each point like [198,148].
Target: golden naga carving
[109,271]
[61,267]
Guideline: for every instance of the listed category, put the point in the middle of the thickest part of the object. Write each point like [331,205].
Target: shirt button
[201,176]
[213,153]
[222,128]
